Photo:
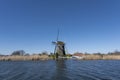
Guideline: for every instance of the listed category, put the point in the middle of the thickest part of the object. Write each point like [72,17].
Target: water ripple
[60,70]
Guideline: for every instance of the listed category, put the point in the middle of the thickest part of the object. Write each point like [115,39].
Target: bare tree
[19,52]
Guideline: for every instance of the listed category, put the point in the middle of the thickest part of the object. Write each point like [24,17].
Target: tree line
[23,53]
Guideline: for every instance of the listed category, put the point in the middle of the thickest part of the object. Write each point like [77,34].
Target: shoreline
[46,57]
[24,58]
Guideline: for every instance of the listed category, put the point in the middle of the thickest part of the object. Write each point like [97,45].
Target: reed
[111,57]
[92,57]
[46,57]
[24,58]
[101,57]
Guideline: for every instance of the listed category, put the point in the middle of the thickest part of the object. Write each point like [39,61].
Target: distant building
[78,55]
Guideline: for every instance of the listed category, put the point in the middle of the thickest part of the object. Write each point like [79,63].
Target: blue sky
[85,25]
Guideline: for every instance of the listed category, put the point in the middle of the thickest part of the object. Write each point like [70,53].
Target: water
[60,70]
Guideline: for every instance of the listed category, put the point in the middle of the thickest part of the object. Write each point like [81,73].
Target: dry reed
[92,57]
[25,58]
[111,57]
[101,57]
[46,57]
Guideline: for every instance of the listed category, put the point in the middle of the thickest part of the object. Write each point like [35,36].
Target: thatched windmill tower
[59,50]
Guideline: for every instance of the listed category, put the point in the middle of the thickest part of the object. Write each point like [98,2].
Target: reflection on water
[60,70]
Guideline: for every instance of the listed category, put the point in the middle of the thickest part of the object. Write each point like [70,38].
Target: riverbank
[46,57]
[101,57]
[24,58]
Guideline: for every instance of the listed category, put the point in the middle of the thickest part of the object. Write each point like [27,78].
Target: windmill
[59,50]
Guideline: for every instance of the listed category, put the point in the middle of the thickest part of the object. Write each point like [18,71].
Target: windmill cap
[60,42]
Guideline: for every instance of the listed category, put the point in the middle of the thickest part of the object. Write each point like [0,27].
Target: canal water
[60,70]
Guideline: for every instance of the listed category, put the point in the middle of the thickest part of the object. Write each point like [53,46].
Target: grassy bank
[111,57]
[46,57]
[24,58]
[101,57]
[92,57]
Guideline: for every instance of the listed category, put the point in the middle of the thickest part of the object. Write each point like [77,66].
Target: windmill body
[59,50]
